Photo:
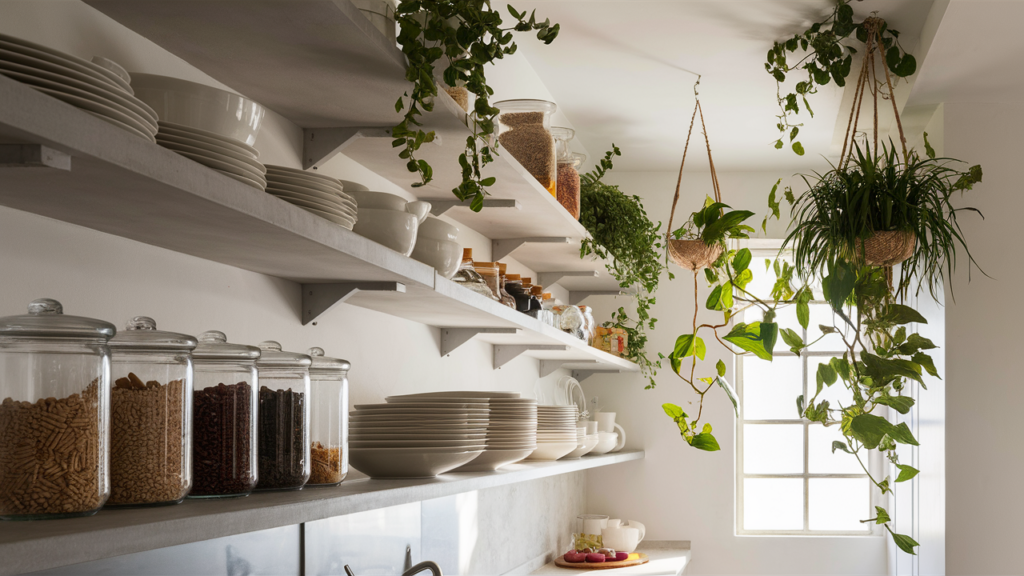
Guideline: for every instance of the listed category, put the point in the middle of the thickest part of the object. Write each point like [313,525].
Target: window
[788,479]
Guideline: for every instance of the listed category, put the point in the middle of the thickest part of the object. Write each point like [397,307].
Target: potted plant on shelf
[468,35]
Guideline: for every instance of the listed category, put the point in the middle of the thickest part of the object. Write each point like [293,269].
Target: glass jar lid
[46,319]
[526,105]
[213,345]
[140,333]
[271,356]
[325,364]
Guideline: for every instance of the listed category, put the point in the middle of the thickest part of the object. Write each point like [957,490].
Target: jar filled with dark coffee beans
[283,429]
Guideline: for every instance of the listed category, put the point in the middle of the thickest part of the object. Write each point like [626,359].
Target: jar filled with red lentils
[328,424]
[54,416]
[224,406]
[151,415]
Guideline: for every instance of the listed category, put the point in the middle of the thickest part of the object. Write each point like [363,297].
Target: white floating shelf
[321,64]
[31,546]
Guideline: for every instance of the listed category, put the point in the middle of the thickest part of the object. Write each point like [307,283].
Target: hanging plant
[827,57]
[621,232]
[468,35]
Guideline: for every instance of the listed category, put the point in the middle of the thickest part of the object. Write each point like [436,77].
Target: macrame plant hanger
[694,254]
[883,248]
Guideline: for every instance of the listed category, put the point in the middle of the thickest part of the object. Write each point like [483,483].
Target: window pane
[773,448]
[821,314]
[773,504]
[761,285]
[770,388]
[839,504]
[821,460]
[837,394]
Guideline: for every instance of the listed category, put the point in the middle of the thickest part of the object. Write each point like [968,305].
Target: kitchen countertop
[668,558]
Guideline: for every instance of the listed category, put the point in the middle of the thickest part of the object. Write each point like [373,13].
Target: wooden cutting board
[560,561]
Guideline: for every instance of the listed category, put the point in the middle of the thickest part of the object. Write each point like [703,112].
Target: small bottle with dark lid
[151,415]
[223,417]
[328,424]
[284,418]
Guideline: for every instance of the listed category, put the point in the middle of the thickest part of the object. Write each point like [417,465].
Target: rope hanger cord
[714,177]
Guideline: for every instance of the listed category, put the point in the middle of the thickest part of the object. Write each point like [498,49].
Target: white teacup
[623,538]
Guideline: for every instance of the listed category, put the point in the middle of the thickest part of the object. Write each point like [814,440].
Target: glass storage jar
[505,298]
[489,272]
[514,286]
[150,415]
[328,424]
[284,418]
[589,324]
[569,183]
[54,417]
[524,129]
[223,417]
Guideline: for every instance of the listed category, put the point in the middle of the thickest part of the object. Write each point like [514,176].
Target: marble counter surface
[668,558]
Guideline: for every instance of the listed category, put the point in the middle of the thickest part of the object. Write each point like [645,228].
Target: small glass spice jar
[55,413]
[505,297]
[328,424]
[524,129]
[283,430]
[223,417]
[489,272]
[569,183]
[514,286]
[151,415]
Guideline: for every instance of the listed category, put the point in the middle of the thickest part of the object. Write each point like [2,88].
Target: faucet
[425,565]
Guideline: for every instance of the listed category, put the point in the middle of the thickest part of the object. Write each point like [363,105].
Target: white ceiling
[622,72]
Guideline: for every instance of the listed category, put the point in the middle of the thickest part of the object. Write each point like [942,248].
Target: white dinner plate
[210,151]
[63,58]
[242,179]
[123,126]
[319,209]
[120,114]
[209,137]
[320,196]
[238,168]
[56,68]
[279,183]
[317,203]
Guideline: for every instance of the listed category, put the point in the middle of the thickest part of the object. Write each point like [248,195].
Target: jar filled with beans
[54,413]
[151,420]
[524,130]
[283,431]
[328,425]
[225,386]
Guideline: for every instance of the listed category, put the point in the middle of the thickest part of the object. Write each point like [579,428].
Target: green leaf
[748,338]
[699,349]
[705,441]
[488,181]
[741,260]
[729,391]
[906,67]
[714,301]
[881,516]
[837,445]
[798,148]
[827,374]
[673,411]
[884,369]
[901,433]
[900,314]
[869,429]
[800,406]
[720,366]
[905,543]
[925,361]
[906,472]
[793,340]
[778,144]
[928,150]
[901,404]
[769,335]
[839,284]
[803,308]
[915,343]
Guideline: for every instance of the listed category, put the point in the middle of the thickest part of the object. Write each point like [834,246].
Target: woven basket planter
[693,254]
[886,248]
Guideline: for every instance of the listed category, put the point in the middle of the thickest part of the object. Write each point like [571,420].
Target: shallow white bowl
[584,447]
[200,106]
[441,255]
[408,462]
[437,229]
[494,459]
[552,450]
[391,228]
[378,200]
[606,442]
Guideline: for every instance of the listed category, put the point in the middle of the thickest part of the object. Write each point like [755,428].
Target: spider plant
[879,193]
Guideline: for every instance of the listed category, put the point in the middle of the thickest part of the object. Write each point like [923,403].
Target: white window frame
[761,249]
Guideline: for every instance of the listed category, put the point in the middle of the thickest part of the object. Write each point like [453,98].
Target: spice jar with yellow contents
[328,424]
[524,130]
[55,413]
[151,415]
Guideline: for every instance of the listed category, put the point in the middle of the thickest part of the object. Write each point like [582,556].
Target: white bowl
[441,255]
[378,200]
[391,228]
[437,229]
[552,450]
[606,442]
[584,447]
[494,459]
[200,106]
[408,462]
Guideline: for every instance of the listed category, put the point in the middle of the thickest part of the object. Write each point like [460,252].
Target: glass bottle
[489,272]
[589,324]
[569,183]
[536,310]
[524,129]
[328,424]
[547,302]
[506,298]
[54,417]
[514,286]
[468,277]
[151,415]
[283,431]
[223,417]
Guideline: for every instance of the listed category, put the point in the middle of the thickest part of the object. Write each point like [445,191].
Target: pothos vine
[468,34]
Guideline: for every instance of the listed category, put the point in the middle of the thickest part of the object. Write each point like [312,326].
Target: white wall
[984,462]
[678,492]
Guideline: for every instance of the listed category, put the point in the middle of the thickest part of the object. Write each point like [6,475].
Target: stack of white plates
[416,440]
[228,156]
[95,88]
[556,432]
[321,195]
[511,430]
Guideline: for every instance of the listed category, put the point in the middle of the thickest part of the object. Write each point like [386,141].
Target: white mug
[621,539]
[614,523]
[605,421]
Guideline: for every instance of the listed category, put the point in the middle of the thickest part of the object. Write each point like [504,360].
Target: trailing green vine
[468,35]
[826,58]
[621,232]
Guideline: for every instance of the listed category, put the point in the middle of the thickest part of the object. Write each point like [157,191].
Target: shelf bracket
[549,366]
[33,156]
[502,248]
[581,375]
[321,144]
[577,296]
[505,353]
[550,278]
[452,338]
[439,206]
[319,298]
